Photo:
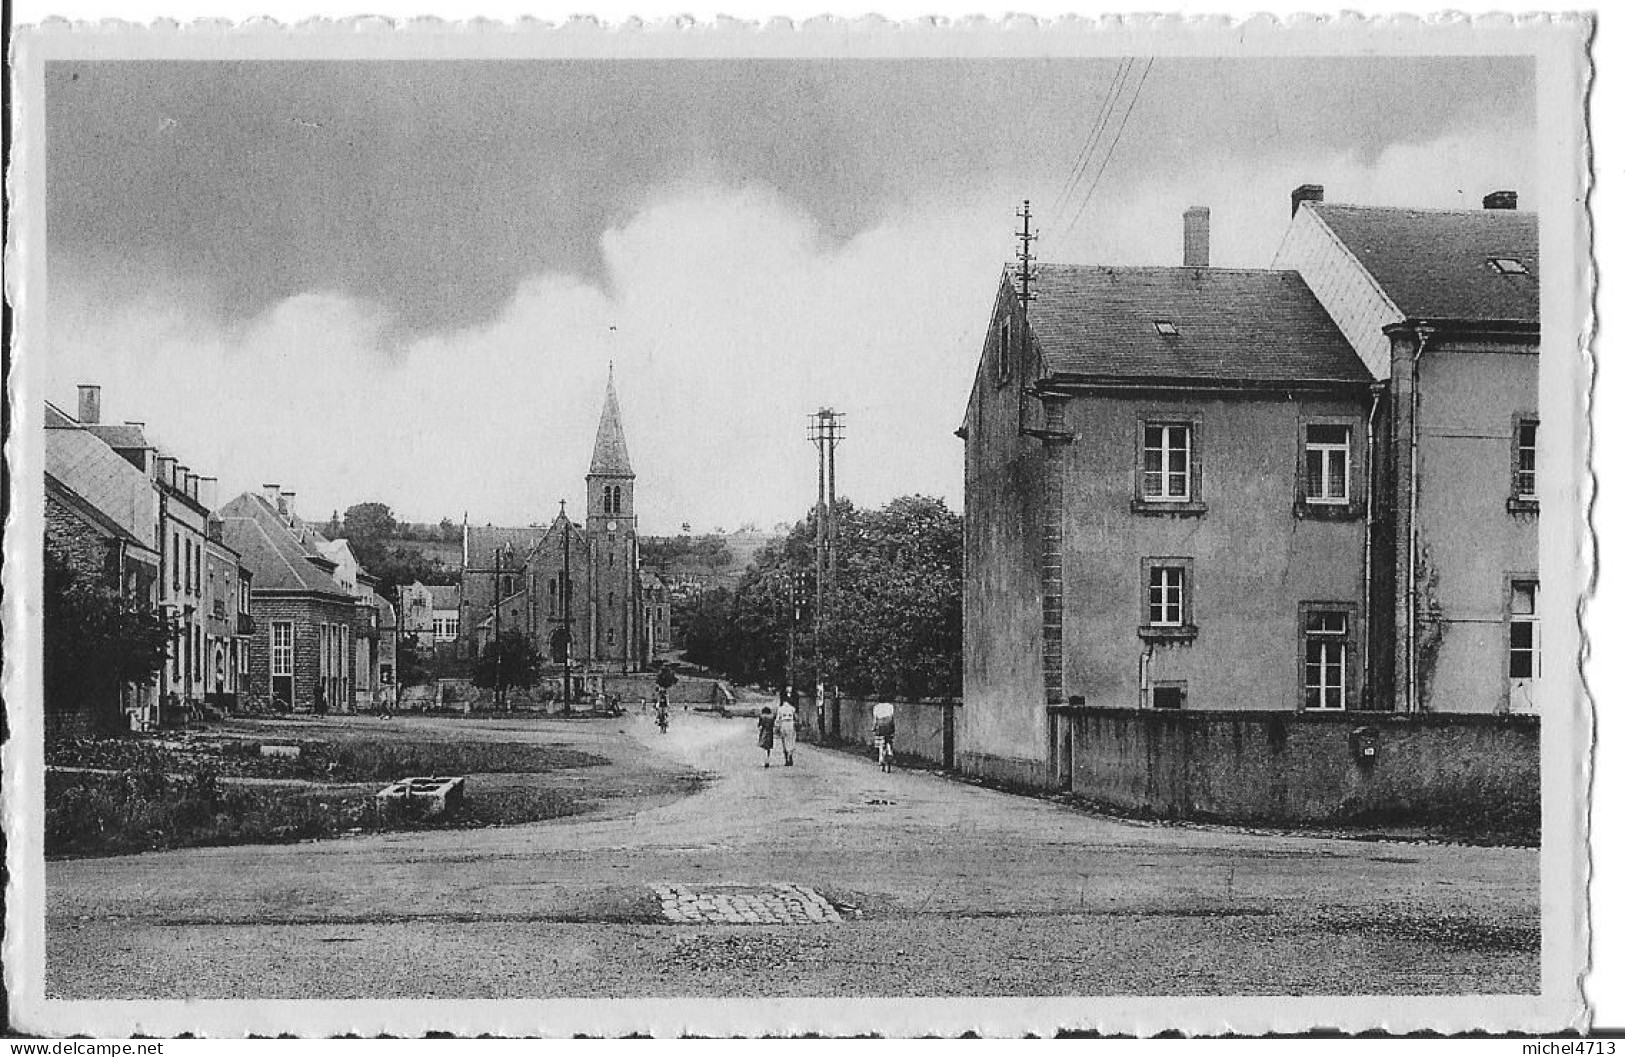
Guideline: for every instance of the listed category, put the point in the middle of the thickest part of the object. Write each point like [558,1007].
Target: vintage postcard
[747,530]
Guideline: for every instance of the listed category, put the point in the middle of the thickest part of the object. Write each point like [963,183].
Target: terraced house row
[1309,490]
[262,610]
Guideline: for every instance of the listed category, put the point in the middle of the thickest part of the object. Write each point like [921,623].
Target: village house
[305,621]
[416,614]
[1164,488]
[101,516]
[181,528]
[1444,307]
[369,630]
[1210,489]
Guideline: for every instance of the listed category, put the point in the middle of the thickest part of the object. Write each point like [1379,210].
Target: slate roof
[271,550]
[609,457]
[444,596]
[1234,326]
[1434,264]
[125,436]
[101,477]
[89,513]
[484,542]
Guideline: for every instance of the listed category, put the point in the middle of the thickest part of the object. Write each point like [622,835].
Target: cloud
[731,321]
[729,315]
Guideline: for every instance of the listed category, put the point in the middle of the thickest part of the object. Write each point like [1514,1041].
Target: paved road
[938,888]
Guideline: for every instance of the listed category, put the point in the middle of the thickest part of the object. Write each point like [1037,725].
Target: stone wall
[925,729]
[1474,771]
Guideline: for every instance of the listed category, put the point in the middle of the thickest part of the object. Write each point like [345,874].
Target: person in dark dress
[764,733]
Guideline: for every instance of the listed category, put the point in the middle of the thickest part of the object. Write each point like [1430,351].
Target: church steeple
[609,458]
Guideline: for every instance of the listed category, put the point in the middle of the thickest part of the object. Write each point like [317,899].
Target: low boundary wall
[925,729]
[1473,772]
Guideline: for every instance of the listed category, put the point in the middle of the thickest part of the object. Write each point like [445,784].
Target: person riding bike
[885,729]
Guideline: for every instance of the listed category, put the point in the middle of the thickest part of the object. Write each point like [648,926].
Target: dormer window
[1167,328]
[1508,266]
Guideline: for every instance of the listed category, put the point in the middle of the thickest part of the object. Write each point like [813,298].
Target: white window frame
[1317,684]
[1161,580]
[1319,456]
[1520,475]
[281,652]
[1163,475]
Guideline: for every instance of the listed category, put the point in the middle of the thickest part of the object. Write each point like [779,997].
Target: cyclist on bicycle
[885,729]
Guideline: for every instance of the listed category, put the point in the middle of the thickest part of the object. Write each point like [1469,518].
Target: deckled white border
[1564,544]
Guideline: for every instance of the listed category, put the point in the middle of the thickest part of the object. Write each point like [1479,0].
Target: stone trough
[423,797]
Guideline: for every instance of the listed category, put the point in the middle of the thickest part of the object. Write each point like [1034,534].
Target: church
[576,590]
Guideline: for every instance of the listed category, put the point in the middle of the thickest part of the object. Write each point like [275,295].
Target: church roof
[609,457]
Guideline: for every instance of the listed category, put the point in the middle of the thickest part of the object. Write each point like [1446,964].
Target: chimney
[137,425]
[1196,236]
[90,405]
[1307,193]
[209,491]
[1501,200]
[166,470]
[273,495]
[192,480]
[183,475]
[287,505]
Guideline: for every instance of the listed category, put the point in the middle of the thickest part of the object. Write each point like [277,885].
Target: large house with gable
[1308,489]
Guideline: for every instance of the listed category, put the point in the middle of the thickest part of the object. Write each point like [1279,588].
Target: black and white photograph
[901,532]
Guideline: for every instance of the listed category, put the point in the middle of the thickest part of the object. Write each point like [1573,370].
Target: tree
[411,668]
[95,641]
[370,522]
[892,619]
[450,531]
[521,664]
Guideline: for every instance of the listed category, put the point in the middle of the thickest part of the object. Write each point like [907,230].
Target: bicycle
[883,749]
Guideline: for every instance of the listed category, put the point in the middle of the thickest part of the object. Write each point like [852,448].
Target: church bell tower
[612,539]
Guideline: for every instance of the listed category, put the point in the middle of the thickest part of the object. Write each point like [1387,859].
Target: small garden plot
[121,795]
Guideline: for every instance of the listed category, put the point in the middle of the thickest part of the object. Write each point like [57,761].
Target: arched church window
[617,499]
[607,497]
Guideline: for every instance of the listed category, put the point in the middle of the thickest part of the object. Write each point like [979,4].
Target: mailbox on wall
[1363,743]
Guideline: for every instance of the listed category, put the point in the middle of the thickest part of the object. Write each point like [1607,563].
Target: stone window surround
[1351,664]
[1192,505]
[1353,508]
[1185,630]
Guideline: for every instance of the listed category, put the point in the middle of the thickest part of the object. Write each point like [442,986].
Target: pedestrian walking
[764,733]
[786,728]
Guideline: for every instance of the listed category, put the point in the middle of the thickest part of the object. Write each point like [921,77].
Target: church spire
[609,458]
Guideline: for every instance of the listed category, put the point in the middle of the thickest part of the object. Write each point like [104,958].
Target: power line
[1106,163]
[1086,153]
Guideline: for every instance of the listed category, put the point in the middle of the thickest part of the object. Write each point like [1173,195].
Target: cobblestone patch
[730,904]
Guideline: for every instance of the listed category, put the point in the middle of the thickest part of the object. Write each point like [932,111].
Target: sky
[406,281]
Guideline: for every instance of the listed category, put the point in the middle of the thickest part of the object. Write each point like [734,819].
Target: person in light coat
[786,728]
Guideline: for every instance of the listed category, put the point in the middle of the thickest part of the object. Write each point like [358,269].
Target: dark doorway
[559,646]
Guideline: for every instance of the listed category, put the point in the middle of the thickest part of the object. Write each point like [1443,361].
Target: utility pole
[496,609]
[564,592]
[1025,257]
[825,428]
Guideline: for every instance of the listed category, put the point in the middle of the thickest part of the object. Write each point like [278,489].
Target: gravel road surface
[937,888]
